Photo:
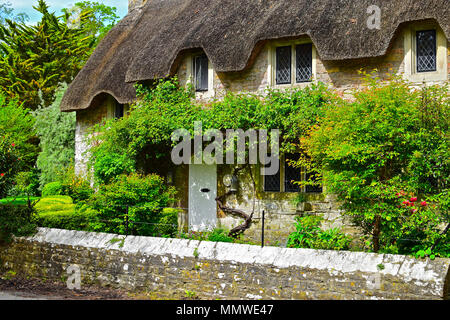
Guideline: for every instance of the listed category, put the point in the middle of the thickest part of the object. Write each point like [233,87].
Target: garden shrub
[67,220]
[55,204]
[167,225]
[219,235]
[26,184]
[308,234]
[17,220]
[75,186]
[215,235]
[61,213]
[144,197]
[52,189]
[391,140]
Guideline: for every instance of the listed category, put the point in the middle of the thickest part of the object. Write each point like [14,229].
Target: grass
[18,200]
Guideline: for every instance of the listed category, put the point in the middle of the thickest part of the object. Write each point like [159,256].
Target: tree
[100,18]
[17,126]
[36,59]
[56,131]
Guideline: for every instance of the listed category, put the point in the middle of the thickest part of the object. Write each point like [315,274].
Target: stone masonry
[168,268]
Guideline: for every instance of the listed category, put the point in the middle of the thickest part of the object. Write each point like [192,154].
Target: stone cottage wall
[280,209]
[168,268]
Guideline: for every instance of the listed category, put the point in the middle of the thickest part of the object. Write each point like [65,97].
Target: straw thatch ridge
[147,42]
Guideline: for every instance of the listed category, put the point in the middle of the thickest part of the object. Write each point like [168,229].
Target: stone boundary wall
[169,268]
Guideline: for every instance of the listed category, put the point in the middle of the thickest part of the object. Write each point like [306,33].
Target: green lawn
[17,201]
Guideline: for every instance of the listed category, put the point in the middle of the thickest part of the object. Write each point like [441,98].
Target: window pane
[201,73]
[304,62]
[426,50]
[272,183]
[291,174]
[283,69]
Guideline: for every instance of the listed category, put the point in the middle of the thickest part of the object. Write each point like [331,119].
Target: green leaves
[142,141]
[56,132]
[308,234]
[390,139]
[35,60]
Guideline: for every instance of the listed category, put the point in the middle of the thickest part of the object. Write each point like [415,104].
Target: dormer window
[426,51]
[201,73]
[293,63]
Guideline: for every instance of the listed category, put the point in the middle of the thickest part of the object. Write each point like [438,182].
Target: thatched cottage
[250,45]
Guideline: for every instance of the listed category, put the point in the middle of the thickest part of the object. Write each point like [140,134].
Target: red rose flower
[13,144]
[2,174]
[413,199]
[423,203]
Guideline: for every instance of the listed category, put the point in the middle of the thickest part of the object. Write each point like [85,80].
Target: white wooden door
[202,195]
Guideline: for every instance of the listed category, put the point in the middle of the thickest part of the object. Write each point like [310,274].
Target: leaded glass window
[303,62]
[272,182]
[201,72]
[284,62]
[426,51]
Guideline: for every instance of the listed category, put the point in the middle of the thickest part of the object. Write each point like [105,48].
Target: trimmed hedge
[64,220]
[55,204]
[60,212]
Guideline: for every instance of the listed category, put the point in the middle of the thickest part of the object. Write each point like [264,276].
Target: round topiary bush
[52,189]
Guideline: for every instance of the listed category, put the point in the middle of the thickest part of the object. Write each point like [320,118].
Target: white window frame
[411,73]
[272,63]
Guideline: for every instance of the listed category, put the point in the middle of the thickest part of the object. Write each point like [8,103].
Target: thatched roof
[147,42]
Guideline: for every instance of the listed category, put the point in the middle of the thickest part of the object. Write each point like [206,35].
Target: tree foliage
[390,141]
[36,59]
[142,140]
[100,18]
[56,132]
[17,127]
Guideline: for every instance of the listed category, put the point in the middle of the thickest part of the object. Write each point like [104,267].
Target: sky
[26,6]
